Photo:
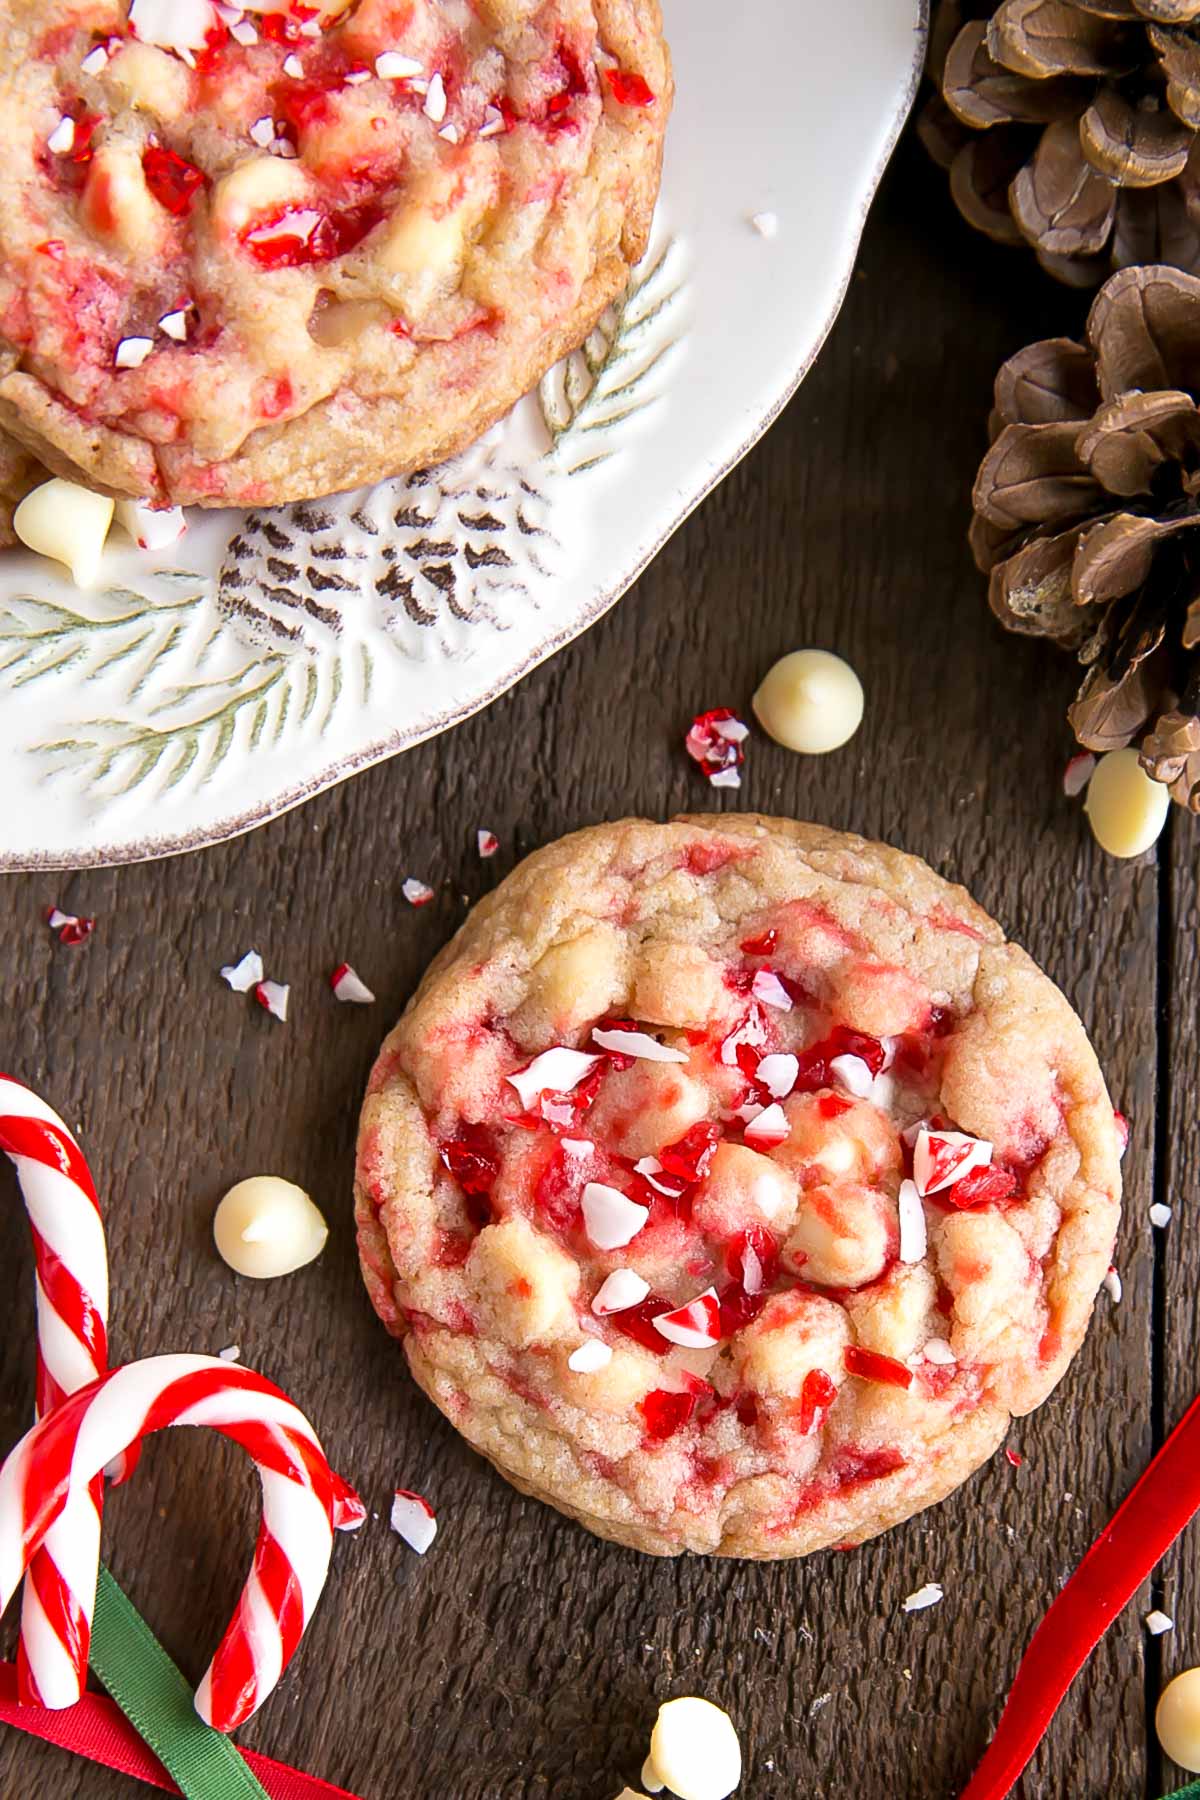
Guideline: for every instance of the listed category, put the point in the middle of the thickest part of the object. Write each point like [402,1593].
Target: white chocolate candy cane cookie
[731,1183]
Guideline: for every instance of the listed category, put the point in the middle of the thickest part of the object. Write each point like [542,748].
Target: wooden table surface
[522,1659]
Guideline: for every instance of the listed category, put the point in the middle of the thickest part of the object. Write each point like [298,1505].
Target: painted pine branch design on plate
[134,634]
[607,380]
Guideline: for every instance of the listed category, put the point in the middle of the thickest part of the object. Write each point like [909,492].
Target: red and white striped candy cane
[72,1350]
[304,1501]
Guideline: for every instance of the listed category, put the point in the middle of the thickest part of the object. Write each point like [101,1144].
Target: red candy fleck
[84,148]
[666,1412]
[54,248]
[816,1397]
[173,182]
[715,742]
[874,1367]
[981,1187]
[762,945]
[1014,1457]
[629,89]
[690,1157]
[832,1106]
[472,1160]
[637,1322]
[299,236]
[851,1467]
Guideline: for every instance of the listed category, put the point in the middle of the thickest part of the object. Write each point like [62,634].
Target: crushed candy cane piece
[151,527]
[1157,1622]
[244,975]
[753,1275]
[70,929]
[1013,1456]
[413,1519]
[929,1595]
[390,65]
[696,1326]
[940,1158]
[938,1351]
[179,25]
[694,1750]
[768,1128]
[243,32]
[636,1043]
[649,1168]
[348,986]
[622,1289]
[714,740]
[273,995]
[487,843]
[132,352]
[765,223]
[175,325]
[1122,1125]
[1078,773]
[230,1353]
[580,1147]
[95,60]
[435,100]
[555,1071]
[1160,1215]
[590,1357]
[1112,1286]
[852,1073]
[913,1230]
[611,1219]
[262,132]
[770,991]
[777,1073]
[62,138]
[417,893]
[293,66]
[493,122]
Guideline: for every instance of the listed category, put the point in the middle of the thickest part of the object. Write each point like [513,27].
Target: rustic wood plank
[523,1660]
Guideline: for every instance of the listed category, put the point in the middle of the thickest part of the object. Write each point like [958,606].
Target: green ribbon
[158,1702]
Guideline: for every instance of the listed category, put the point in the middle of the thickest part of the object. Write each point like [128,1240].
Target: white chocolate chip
[62,520]
[810,701]
[266,1226]
[694,1750]
[1177,1720]
[1126,809]
[650,1780]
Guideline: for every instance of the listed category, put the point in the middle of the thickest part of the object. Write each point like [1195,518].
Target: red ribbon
[95,1727]
[1143,1530]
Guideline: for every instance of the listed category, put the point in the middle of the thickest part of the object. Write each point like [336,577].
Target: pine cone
[1084,508]
[1072,125]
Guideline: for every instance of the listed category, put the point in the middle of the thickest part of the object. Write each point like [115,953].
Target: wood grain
[522,1660]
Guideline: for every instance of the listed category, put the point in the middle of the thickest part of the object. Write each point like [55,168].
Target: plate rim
[223,831]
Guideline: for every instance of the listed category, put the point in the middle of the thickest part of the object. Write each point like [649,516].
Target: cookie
[731,1183]
[252,257]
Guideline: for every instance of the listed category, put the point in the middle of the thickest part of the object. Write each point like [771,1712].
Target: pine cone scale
[1041,38]
[1058,200]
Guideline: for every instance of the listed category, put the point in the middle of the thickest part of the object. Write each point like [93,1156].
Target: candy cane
[304,1501]
[72,1312]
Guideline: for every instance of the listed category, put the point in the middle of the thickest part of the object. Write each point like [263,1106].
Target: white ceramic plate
[281,651]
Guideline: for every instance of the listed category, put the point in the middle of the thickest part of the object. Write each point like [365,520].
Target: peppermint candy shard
[636,1043]
[939,1352]
[611,1219]
[622,1289]
[487,843]
[1122,1125]
[1160,1215]
[696,1326]
[852,1073]
[768,1128]
[413,1520]
[777,1073]
[1113,1287]
[244,975]
[350,987]
[1078,773]
[770,991]
[1157,1622]
[940,1158]
[929,1595]
[590,1357]
[649,1168]
[151,527]
[556,1071]
[132,352]
[390,65]
[914,1236]
[417,893]
[273,996]
[178,25]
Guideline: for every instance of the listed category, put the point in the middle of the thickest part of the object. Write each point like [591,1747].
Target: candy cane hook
[72,1350]
[304,1501]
